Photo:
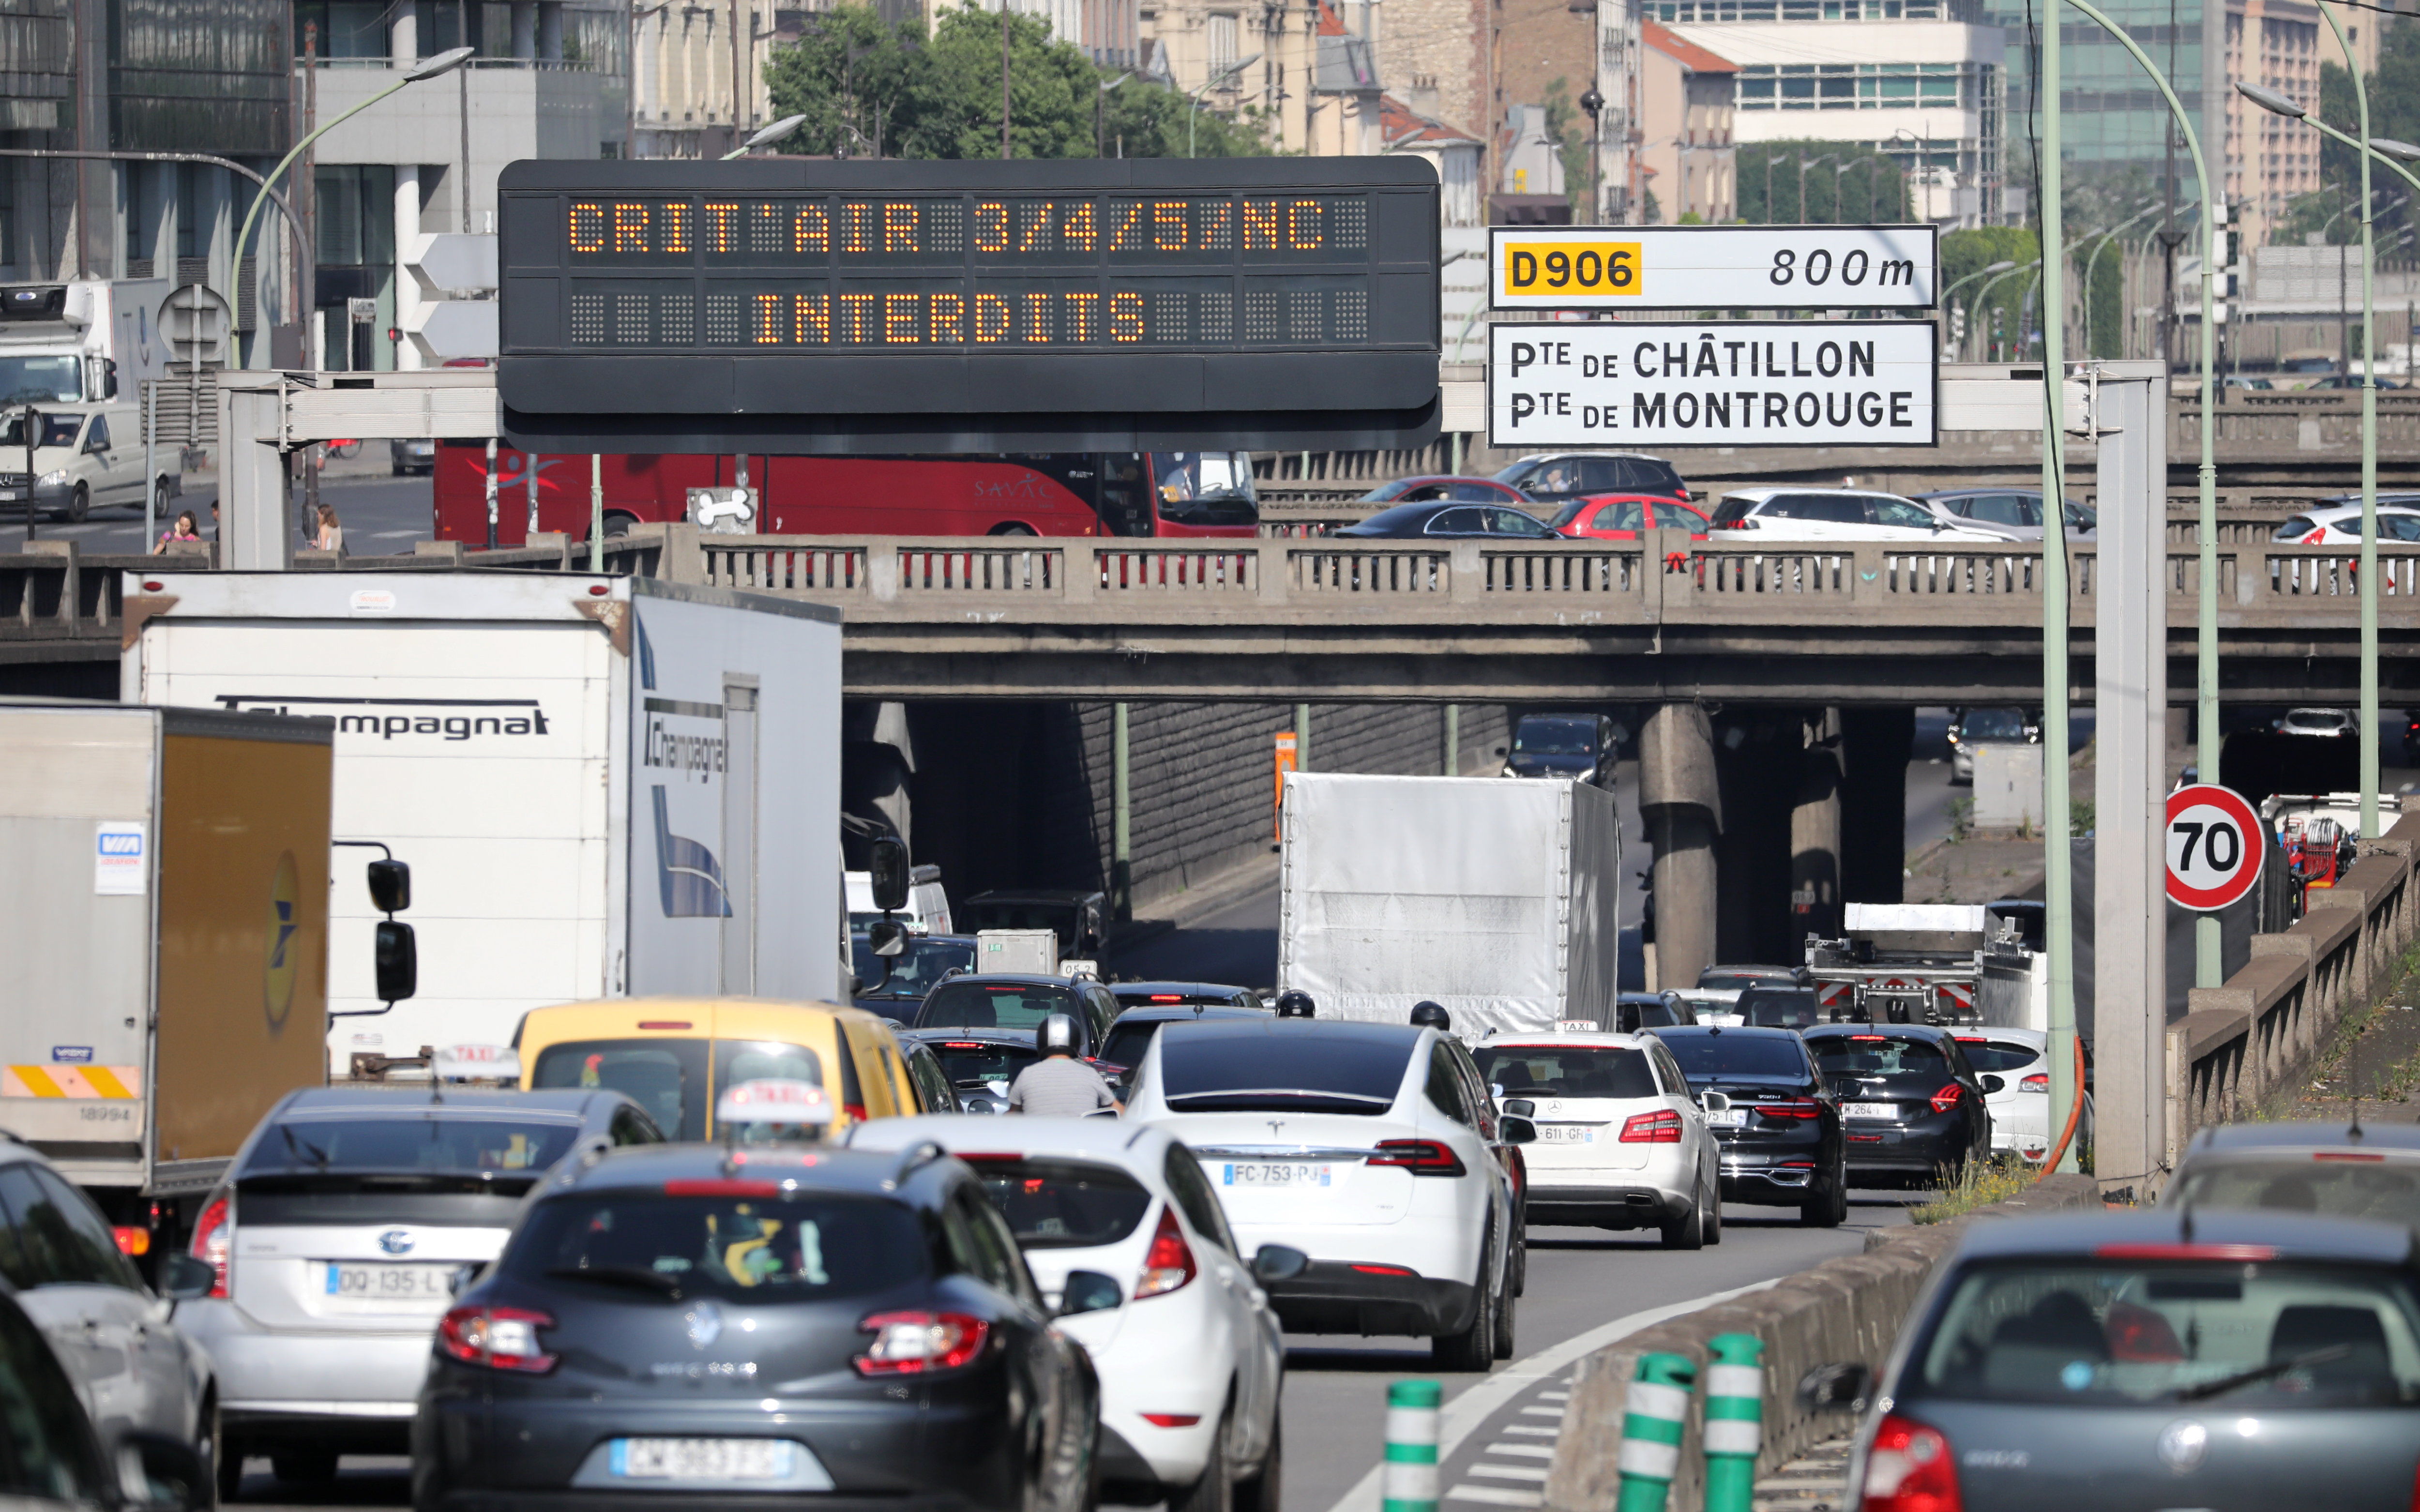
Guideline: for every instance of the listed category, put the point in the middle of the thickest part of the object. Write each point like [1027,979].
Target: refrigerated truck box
[164,915]
[604,786]
[1495,899]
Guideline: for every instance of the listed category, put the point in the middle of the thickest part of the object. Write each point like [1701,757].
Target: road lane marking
[1462,1416]
[1494,1496]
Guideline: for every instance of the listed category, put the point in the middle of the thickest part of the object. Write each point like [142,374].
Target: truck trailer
[167,934]
[1937,963]
[605,785]
[1496,900]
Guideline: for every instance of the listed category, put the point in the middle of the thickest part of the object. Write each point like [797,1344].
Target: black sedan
[681,1327]
[1780,1133]
[1913,1102]
[2159,1358]
[1131,1035]
[894,986]
[1132,995]
[1448,520]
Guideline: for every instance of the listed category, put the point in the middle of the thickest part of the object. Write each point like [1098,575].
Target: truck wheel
[79,504]
[163,491]
[618,524]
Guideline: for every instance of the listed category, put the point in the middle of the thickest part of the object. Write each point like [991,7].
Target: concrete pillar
[1758,756]
[525,28]
[1815,835]
[407,231]
[404,36]
[1681,802]
[257,523]
[1875,744]
[550,31]
[2128,1030]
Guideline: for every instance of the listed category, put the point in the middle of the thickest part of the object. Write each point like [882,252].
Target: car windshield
[747,1242]
[2339,1183]
[1904,513]
[1208,1072]
[1127,1039]
[658,1073]
[972,1064]
[1736,981]
[1993,725]
[1062,1204]
[57,430]
[912,972]
[1768,1007]
[439,1144]
[1870,1055]
[43,380]
[2238,1332]
[1555,736]
[1206,488]
[1566,1070]
[1385,491]
[1401,517]
[1059,918]
[964,1003]
[1706,1057]
[1997,1055]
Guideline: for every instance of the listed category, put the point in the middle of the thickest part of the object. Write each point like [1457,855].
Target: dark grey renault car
[2221,1361]
[683,1327]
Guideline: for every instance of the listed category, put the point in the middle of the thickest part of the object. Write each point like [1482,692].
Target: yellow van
[676,1055]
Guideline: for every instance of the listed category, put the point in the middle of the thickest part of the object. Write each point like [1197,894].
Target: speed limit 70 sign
[2214,846]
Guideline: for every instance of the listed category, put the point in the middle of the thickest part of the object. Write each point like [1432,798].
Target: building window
[1856,86]
[1717,11]
[1223,44]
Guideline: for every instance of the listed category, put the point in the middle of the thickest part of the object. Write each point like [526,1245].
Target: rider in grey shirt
[1059,1085]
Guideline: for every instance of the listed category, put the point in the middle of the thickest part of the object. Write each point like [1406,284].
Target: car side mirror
[1520,1107]
[1518,1130]
[156,1472]
[184,1277]
[1836,1388]
[1713,1102]
[887,938]
[1089,1291]
[1992,1085]
[390,886]
[1279,1262]
[888,868]
[396,956]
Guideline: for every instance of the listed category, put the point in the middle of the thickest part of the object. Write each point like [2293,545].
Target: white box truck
[1497,900]
[605,785]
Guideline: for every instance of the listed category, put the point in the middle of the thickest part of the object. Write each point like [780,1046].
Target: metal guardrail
[2257,1034]
[54,592]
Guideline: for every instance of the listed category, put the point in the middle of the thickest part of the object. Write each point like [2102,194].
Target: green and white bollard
[1411,1480]
[1734,1420]
[1650,1430]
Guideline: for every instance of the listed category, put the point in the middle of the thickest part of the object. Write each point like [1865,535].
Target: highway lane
[382,515]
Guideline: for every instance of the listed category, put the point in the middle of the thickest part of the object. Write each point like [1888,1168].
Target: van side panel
[244,935]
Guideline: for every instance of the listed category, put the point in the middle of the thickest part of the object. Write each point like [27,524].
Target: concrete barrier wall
[1849,1309]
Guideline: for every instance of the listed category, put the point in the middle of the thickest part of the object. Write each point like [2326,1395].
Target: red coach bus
[1057,493]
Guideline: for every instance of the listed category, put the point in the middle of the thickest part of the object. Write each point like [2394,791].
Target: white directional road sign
[1713,267]
[2214,846]
[1636,384]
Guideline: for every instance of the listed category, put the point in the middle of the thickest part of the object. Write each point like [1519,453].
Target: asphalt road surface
[382,514]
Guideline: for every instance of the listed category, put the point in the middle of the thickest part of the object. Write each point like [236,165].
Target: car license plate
[400,1284]
[1566,1134]
[1870,1110]
[703,1459]
[1725,1118]
[1273,1173]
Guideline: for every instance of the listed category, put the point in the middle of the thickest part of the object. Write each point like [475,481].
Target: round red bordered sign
[2214,845]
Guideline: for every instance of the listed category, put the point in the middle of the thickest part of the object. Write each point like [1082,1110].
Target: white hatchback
[1372,1148]
[1839,514]
[2019,1060]
[1128,1244]
[1622,1141]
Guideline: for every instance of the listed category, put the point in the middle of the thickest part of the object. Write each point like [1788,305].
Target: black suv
[1911,1099]
[1781,1136]
[678,1325]
[1571,474]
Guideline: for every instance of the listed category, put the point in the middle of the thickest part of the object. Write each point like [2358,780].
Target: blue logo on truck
[686,871]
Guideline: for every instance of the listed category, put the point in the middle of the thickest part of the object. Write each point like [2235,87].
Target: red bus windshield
[1055,493]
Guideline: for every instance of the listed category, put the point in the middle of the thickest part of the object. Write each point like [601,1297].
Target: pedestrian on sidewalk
[183,531]
[332,535]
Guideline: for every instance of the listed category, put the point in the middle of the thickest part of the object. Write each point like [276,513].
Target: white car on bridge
[1126,1240]
[1839,514]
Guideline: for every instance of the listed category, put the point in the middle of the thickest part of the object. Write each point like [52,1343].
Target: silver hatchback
[346,1222]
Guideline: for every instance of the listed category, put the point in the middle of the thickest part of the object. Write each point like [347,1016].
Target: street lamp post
[1101,115]
[430,69]
[2092,269]
[1954,288]
[2270,101]
[1804,163]
[1206,84]
[766,137]
[1985,291]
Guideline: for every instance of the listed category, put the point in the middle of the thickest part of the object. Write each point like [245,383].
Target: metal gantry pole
[2370,773]
[2057,856]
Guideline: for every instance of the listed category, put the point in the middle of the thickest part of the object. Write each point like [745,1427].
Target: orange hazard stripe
[61,1080]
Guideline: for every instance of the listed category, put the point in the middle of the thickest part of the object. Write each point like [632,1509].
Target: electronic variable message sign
[799,305]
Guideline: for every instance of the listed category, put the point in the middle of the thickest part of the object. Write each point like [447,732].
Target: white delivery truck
[1496,900]
[605,785]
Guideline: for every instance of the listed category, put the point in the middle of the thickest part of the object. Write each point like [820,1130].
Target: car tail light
[2249,1252]
[1169,1263]
[721,1187]
[1165,997]
[2368,1158]
[501,1338]
[214,1239]
[1651,1129]
[663,1024]
[1421,1157]
[1947,1098]
[855,1112]
[2038,1082]
[1794,1108]
[1386,1271]
[1910,1469]
[1171,1419]
[132,1238]
[918,1343]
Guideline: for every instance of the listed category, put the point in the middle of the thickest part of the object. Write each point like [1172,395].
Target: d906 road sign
[794,306]
[2214,846]
[1713,267]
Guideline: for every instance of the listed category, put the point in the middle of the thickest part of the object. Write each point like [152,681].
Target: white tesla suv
[1126,1241]
[1621,1143]
[1362,1145]
[2019,1060]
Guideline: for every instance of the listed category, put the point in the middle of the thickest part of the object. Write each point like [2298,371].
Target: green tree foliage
[1869,188]
[869,90]
[2002,309]
[1569,128]
[2393,114]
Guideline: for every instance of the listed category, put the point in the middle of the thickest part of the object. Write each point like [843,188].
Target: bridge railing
[1665,578]
[2257,1034]
[52,592]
